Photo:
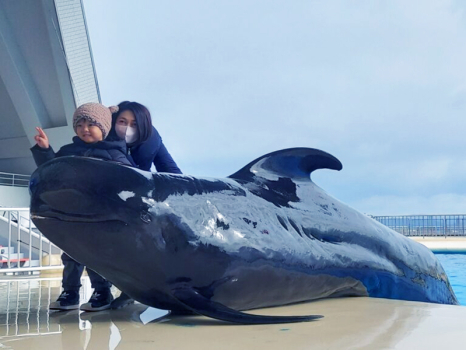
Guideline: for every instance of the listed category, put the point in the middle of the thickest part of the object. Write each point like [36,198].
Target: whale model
[264,236]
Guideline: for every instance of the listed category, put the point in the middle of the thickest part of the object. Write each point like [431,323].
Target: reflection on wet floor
[348,323]
[24,306]
[24,312]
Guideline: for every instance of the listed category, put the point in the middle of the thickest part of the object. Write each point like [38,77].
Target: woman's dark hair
[143,121]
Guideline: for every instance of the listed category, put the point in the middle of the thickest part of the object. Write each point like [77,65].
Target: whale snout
[80,186]
[63,187]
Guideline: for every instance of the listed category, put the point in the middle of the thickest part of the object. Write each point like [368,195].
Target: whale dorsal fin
[294,163]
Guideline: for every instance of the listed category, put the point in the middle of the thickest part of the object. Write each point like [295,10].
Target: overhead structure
[46,70]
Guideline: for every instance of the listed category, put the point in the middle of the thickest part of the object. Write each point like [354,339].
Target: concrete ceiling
[35,84]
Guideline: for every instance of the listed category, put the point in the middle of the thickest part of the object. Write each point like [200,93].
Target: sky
[381,85]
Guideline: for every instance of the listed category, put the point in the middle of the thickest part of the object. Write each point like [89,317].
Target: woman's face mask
[126,127]
[129,133]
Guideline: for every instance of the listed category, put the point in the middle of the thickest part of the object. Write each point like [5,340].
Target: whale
[264,236]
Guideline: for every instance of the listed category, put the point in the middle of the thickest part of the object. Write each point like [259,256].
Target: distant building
[46,70]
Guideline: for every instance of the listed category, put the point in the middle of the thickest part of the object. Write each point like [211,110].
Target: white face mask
[128,133]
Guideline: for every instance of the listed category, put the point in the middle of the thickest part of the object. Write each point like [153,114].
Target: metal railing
[16,180]
[23,248]
[426,225]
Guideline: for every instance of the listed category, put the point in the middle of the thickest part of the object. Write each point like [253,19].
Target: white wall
[14,197]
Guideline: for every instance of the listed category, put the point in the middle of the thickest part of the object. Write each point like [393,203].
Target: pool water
[455,267]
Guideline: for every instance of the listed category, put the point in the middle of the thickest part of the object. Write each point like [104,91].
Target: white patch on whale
[149,201]
[146,174]
[124,195]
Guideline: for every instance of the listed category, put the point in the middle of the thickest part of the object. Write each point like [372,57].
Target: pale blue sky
[381,85]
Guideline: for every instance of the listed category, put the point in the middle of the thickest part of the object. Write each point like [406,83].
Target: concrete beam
[24,166]
[59,56]
[18,81]
[18,147]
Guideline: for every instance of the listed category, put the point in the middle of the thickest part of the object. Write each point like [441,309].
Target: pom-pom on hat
[95,113]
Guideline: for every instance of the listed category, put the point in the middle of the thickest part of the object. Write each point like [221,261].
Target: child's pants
[73,271]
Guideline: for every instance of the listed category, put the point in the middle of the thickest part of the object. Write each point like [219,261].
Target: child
[92,123]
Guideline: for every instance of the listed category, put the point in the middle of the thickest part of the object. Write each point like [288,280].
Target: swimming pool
[455,267]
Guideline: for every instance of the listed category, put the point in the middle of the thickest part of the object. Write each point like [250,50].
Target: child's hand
[41,139]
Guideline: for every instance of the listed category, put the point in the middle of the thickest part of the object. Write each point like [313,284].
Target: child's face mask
[128,133]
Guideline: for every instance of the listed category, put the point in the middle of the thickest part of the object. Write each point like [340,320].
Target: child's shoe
[100,300]
[68,300]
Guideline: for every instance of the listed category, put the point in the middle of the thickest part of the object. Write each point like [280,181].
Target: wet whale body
[264,236]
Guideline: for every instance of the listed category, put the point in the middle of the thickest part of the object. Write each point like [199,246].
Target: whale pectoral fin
[203,306]
[295,163]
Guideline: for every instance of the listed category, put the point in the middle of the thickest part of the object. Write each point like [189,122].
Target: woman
[133,123]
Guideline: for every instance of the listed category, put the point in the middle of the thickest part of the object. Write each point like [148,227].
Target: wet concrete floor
[348,323]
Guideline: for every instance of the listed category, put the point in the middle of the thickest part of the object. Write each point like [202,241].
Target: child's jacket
[106,150]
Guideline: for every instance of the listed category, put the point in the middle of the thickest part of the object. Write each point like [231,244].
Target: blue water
[455,267]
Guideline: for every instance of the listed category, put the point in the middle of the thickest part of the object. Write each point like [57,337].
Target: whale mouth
[57,215]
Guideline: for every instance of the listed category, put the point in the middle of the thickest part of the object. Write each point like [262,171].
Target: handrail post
[423,230]
[9,239]
[445,226]
[18,225]
[30,240]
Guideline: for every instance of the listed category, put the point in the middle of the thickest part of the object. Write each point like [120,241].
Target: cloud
[380,85]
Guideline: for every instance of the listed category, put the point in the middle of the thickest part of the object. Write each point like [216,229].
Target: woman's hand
[41,139]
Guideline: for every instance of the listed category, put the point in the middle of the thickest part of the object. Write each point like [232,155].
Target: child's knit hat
[95,113]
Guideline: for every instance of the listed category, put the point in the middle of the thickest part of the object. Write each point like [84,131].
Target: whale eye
[145,217]
[32,185]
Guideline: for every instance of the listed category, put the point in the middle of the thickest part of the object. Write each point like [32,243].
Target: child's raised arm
[41,138]
[42,152]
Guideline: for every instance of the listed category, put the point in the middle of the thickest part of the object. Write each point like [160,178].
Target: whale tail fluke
[294,163]
[203,306]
